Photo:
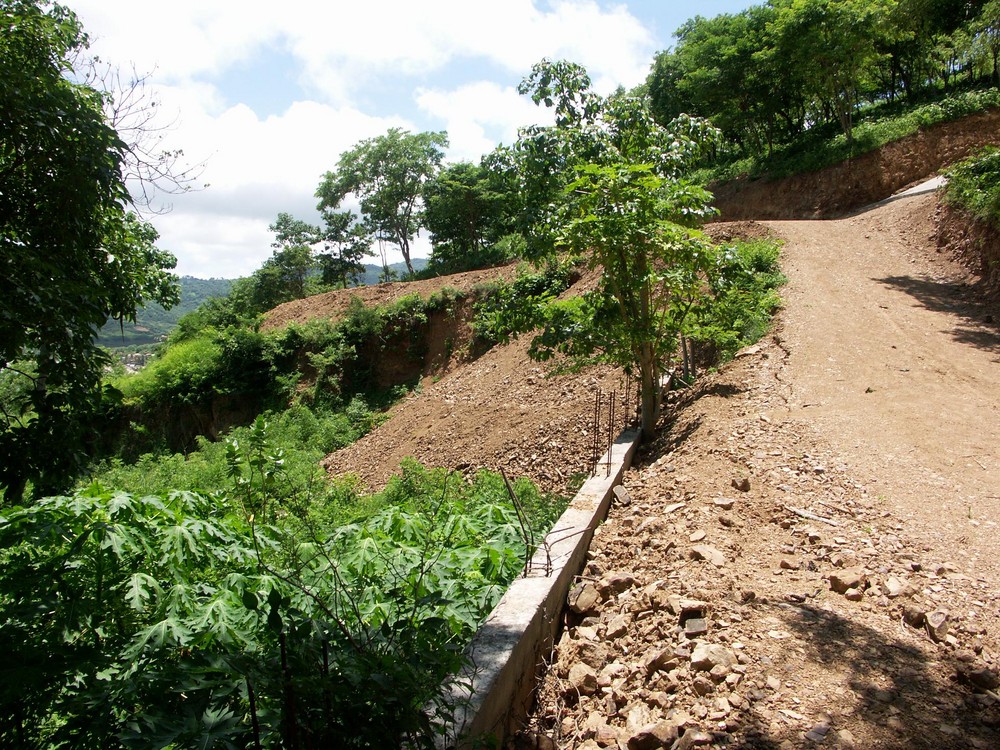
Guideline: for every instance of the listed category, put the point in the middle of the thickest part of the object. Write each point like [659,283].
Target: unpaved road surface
[726,616]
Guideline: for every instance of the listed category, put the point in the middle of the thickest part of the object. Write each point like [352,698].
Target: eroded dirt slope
[722,615]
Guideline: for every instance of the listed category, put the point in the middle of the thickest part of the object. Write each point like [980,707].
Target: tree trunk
[649,392]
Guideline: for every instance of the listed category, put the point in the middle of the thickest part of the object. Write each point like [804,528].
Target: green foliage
[185,373]
[874,128]
[72,256]
[467,212]
[790,69]
[974,185]
[387,174]
[171,621]
[744,297]
[607,183]
[505,310]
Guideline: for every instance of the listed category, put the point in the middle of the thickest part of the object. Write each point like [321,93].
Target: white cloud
[478,116]
[353,58]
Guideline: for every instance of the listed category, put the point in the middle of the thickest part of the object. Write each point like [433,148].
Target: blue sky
[269,94]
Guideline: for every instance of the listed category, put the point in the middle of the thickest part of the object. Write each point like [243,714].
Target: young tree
[386,174]
[71,255]
[624,205]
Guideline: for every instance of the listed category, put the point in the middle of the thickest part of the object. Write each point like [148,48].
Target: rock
[846,739]
[621,495]
[741,483]
[789,563]
[818,733]
[708,655]
[658,658]
[618,627]
[583,598]
[854,595]
[705,552]
[773,683]
[702,685]
[726,503]
[653,736]
[582,679]
[914,614]
[936,623]
[615,583]
[695,626]
[698,536]
[849,578]
[893,587]
[980,677]
[693,738]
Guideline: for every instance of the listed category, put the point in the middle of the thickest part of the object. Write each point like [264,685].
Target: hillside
[872,409]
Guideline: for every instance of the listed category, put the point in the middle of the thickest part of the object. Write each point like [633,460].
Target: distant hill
[153,322]
[372,273]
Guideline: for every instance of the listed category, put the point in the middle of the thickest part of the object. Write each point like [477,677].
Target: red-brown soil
[860,181]
[874,405]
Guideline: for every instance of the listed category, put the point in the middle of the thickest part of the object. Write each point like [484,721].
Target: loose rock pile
[748,591]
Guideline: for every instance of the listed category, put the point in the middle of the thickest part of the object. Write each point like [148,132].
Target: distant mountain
[153,322]
[373,273]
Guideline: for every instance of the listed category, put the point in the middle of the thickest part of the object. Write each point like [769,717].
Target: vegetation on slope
[974,185]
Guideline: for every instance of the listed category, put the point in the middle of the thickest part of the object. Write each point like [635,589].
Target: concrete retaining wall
[495,692]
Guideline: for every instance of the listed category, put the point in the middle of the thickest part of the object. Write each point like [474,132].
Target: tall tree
[71,254]
[624,205]
[386,174]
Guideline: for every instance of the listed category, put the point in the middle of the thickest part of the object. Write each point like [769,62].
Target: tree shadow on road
[903,698]
[976,320]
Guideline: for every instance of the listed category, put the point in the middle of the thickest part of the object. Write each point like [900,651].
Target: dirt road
[810,554]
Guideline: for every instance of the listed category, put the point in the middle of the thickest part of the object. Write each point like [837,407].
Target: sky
[263,97]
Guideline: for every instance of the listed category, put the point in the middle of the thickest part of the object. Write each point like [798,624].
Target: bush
[974,185]
[177,621]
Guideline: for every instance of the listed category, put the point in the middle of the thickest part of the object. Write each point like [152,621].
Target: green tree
[627,208]
[71,254]
[386,174]
[466,212]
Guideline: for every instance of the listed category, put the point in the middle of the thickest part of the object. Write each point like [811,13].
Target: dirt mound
[861,181]
[333,304]
[501,411]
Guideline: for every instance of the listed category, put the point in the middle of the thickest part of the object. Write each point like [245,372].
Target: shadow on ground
[976,321]
[902,699]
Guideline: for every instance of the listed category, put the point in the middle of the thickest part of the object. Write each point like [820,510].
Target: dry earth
[810,555]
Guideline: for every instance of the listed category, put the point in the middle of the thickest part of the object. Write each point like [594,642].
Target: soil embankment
[858,182]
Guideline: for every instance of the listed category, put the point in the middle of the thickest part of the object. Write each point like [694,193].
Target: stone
[980,677]
[893,587]
[789,563]
[583,598]
[849,578]
[615,583]
[582,679]
[741,483]
[617,627]
[693,738]
[845,739]
[936,623]
[708,655]
[702,685]
[854,595]
[658,659]
[695,626]
[705,552]
[726,503]
[653,736]
[773,683]
[914,614]
[818,733]
[698,536]
[622,496]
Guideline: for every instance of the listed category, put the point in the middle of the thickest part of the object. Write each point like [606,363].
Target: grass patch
[974,186]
